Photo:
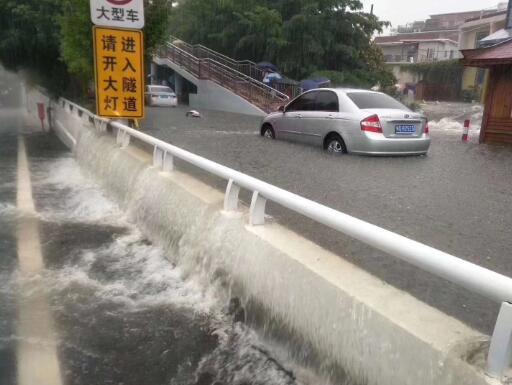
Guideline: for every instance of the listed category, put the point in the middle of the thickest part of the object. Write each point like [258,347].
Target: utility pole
[371,10]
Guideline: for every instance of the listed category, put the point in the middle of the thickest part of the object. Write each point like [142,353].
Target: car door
[323,119]
[292,124]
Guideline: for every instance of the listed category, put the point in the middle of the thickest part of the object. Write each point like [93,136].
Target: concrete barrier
[360,329]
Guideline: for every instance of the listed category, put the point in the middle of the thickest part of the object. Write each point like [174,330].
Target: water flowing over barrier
[356,326]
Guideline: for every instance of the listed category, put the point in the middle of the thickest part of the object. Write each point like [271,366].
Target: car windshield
[161,89]
[373,100]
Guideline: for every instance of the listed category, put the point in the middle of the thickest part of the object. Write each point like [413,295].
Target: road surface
[87,299]
[456,199]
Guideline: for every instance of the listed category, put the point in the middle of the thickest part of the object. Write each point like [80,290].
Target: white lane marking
[37,358]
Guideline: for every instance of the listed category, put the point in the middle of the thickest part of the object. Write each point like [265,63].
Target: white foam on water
[450,126]
[131,274]
[136,274]
[243,358]
[9,212]
[446,124]
[84,201]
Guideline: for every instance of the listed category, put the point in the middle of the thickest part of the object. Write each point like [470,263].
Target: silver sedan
[350,121]
[161,96]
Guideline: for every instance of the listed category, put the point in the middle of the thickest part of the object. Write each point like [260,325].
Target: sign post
[119,57]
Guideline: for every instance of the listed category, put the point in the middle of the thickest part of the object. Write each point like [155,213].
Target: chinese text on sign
[119,73]
[118,13]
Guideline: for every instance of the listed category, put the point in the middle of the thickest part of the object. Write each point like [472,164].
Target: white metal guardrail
[475,278]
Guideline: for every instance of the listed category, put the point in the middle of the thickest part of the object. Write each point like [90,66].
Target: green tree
[301,36]
[77,40]
[52,39]
[29,41]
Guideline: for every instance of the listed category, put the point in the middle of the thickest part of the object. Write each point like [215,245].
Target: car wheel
[268,132]
[334,144]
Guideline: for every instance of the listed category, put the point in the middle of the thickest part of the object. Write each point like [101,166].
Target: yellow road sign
[119,67]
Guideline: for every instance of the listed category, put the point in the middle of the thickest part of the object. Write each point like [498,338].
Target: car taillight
[371,124]
[427,129]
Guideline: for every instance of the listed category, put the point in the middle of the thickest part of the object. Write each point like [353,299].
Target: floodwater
[122,313]
[456,199]
[8,257]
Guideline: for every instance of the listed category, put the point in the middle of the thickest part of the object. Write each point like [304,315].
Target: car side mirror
[282,109]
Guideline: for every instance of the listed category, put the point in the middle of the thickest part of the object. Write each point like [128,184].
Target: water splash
[70,195]
[130,296]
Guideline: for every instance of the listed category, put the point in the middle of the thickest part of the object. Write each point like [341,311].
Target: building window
[479,36]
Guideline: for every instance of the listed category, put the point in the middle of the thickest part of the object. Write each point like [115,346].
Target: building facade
[440,38]
[497,59]
[471,33]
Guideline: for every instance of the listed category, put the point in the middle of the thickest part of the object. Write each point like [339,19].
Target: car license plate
[405,129]
[163,96]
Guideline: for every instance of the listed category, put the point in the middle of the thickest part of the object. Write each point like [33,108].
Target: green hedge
[443,72]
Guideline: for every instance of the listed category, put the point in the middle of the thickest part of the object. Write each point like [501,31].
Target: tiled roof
[484,57]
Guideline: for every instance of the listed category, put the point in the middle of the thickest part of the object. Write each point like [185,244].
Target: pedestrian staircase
[244,78]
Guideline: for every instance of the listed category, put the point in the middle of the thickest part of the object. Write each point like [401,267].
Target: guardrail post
[168,162]
[123,138]
[158,157]
[100,124]
[500,352]
[231,197]
[126,139]
[257,214]
[85,117]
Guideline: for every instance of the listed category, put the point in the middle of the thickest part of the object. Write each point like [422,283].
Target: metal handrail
[254,91]
[234,72]
[214,53]
[247,67]
[495,286]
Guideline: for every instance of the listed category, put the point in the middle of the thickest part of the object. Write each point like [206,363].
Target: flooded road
[110,303]
[119,312]
[456,199]
[8,255]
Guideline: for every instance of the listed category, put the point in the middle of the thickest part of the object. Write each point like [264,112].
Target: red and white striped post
[465,132]
[41,112]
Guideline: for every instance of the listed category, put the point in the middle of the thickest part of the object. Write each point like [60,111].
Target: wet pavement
[122,313]
[8,256]
[456,199]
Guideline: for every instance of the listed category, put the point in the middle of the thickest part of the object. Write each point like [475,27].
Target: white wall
[211,96]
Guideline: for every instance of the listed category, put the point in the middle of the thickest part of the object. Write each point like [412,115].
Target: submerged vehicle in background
[344,120]
[161,96]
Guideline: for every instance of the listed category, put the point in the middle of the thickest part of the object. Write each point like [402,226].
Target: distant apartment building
[427,48]
[435,39]
[472,35]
